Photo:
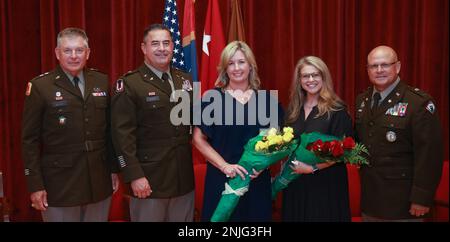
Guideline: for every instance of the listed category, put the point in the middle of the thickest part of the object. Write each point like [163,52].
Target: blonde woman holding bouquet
[321,192]
[222,143]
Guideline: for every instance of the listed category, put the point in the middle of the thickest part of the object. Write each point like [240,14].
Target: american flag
[170,20]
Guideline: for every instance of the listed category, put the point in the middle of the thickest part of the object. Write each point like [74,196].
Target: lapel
[152,78]
[63,81]
[178,79]
[393,98]
[88,84]
[364,106]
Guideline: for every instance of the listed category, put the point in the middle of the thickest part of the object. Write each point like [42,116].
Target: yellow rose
[279,139]
[260,146]
[288,130]
[271,137]
[264,145]
[287,137]
[272,131]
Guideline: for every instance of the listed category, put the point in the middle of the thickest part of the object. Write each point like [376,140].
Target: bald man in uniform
[399,125]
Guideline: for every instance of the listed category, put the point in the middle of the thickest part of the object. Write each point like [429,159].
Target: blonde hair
[328,99]
[223,80]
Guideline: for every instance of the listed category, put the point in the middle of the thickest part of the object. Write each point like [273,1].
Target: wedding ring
[32,205]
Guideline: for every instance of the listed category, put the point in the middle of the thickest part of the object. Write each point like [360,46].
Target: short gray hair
[70,33]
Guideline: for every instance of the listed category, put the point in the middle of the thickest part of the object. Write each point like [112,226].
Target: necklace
[241,96]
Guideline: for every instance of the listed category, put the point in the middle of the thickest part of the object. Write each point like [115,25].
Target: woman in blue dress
[321,192]
[222,142]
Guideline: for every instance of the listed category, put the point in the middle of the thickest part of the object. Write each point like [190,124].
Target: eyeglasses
[315,76]
[383,66]
[78,51]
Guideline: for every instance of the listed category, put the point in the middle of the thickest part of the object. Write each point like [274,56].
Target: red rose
[326,147]
[348,143]
[317,145]
[336,148]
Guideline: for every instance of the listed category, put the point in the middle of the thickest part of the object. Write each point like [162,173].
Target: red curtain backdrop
[280,32]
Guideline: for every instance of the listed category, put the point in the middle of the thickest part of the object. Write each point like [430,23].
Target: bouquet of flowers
[259,153]
[316,148]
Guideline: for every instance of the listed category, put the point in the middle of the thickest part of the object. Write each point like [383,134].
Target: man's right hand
[141,187]
[39,200]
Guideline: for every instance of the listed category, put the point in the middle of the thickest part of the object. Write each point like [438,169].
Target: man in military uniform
[154,154]
[401,129]
[65,137]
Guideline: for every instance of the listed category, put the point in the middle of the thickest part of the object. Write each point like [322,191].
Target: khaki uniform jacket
[147,143]
[405,144]
[65,138]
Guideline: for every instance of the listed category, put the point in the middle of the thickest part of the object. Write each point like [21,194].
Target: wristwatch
[315,168]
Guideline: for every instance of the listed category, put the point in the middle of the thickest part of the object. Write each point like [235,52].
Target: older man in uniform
[154,154]
[400,127]
[65,139]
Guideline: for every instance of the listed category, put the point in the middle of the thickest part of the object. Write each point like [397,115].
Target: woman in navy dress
[221,143]
[321,192]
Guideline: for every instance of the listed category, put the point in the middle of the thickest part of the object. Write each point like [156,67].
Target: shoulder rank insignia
[28,91]
[430,107]
[119,86]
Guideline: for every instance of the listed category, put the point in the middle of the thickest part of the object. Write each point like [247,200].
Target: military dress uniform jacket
[405,144]
[146,142]
[65,138]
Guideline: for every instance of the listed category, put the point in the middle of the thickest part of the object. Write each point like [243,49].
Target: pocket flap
[57,161]
[397,173]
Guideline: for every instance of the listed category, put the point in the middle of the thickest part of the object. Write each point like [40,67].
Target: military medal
[97,92]
[402,109]
[391,136]
[62,120]
[58,96]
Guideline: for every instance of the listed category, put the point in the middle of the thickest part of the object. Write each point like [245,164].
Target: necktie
[376,101]
[76,80]
[166,84]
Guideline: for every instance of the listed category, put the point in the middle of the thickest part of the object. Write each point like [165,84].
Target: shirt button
[86,120]
[371,123]
[370,134]
[88,133]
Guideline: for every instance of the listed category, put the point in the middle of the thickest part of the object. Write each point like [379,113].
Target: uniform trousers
[174,209]
[92,212]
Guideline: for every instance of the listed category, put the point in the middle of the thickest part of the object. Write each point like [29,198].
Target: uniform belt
[88,145]
[173,141]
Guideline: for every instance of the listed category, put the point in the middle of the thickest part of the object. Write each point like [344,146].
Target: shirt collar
[80,77]
[157,72]
[388,90]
